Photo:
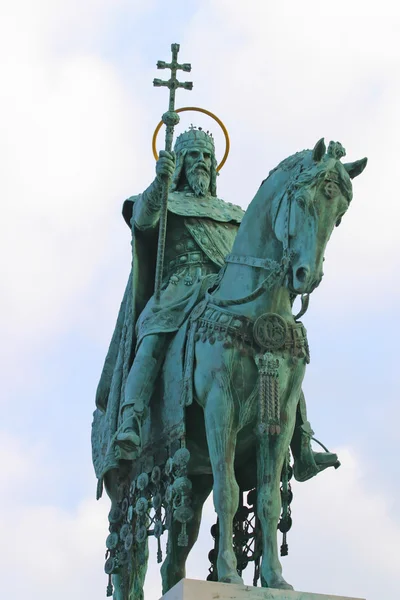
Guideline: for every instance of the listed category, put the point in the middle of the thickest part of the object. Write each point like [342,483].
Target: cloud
[335,75]
[68,154]
[343,541]
[71,144]
[59,553]
[344,535]
[46,551]
[18,465]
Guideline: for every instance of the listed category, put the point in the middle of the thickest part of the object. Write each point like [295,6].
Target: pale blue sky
[77,114]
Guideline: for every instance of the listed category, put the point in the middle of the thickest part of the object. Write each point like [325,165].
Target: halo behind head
[206,112]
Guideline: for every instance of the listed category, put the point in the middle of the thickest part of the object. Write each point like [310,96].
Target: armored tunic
[200,233]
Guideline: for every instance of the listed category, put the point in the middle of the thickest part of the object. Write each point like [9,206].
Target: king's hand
[147,208]
[165,166]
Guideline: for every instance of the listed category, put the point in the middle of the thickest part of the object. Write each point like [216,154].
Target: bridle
[276,271]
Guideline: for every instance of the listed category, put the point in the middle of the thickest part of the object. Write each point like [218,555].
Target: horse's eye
[301,201]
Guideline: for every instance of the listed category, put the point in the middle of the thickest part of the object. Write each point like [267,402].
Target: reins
[277,271]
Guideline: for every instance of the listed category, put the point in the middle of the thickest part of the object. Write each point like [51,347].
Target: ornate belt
[268,333]
[188,258]
[263,339]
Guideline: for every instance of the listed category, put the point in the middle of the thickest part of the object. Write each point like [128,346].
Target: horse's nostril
[301,274]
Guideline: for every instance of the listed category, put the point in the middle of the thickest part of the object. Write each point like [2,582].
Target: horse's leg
[219,412]
[271,454]
[272,451]
[174,566]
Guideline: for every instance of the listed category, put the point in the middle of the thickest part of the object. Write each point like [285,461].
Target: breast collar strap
[252,261]
[277,271]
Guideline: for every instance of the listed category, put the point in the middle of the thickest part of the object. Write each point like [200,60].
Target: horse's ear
[355,168]
[319,150]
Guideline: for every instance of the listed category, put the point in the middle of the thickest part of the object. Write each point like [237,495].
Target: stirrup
[306,467]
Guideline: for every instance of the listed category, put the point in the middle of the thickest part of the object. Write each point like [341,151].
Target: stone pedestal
[193,589]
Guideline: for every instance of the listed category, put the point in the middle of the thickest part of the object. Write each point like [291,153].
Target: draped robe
[212,224]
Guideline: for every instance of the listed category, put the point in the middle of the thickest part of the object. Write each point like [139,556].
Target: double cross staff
[170,119]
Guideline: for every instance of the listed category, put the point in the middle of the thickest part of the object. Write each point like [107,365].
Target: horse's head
[317,196]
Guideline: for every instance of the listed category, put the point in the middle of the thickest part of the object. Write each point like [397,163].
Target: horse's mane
[291,162]
[306,171]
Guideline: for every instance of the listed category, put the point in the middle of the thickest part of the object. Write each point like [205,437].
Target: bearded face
[197,171]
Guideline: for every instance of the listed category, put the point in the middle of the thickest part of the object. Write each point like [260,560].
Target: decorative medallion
[156,475]
[141,506]
[182,485]
[183,514]
[140,534]
[157,501]
[112,540]
[181,458]
[128,542]
[110,565]
[125,530]
[270,331]
[115,515]
[142,481]
[168,467]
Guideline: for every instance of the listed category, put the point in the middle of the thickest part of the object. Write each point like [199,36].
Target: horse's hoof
[284,586]
[277,582]
[170,578]
[233,578]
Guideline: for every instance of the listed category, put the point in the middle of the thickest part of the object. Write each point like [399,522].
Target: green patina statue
[201,387]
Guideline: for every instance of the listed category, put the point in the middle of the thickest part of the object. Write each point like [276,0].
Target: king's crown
[194,137]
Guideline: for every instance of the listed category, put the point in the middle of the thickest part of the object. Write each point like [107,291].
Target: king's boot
[138,391]
[129,434]
[308,463]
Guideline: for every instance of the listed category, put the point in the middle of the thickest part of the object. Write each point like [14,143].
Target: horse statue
[231,403]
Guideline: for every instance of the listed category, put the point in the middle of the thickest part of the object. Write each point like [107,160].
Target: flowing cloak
[213,225]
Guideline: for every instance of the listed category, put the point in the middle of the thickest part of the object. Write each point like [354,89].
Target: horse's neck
[255,238]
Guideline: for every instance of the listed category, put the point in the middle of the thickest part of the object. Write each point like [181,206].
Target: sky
[77,114]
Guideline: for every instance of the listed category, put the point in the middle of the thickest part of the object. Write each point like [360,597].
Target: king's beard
[199,181]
